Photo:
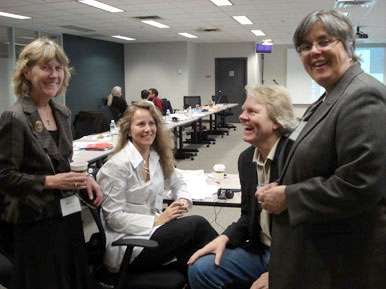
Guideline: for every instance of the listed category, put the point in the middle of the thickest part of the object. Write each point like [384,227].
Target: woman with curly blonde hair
[133,180]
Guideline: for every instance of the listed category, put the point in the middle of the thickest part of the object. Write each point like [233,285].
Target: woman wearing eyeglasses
[329,208]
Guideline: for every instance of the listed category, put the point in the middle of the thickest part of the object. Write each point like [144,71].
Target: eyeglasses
[323,44]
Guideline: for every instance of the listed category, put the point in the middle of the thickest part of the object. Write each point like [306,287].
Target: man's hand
[217,247]
[272,198]
[261,283]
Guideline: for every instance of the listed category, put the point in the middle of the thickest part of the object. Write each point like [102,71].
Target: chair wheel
[192,158]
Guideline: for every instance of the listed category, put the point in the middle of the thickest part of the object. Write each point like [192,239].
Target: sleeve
[13,181]
[178,187]
[357,180]
[111,177]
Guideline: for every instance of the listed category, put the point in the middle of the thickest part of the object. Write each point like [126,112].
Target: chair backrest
[166,106]
[192,101]
[222,99]
[88,122]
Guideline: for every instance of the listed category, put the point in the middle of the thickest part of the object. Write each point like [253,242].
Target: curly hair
[41,50]
[164,141]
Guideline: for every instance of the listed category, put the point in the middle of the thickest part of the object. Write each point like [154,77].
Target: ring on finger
[76,184]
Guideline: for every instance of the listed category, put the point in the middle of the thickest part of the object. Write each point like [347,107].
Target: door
[230,80]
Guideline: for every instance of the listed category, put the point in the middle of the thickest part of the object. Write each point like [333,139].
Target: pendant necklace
[46,116]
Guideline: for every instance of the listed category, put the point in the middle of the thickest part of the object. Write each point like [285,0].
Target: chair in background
[88,122]
[224,114]
[167,277]
[199,134]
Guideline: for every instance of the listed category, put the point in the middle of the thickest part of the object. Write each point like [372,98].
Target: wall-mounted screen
[263,48]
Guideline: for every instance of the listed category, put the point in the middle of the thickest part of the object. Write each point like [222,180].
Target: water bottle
[113,128]
[167,116]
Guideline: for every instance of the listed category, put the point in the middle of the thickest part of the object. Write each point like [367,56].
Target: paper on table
[197,186]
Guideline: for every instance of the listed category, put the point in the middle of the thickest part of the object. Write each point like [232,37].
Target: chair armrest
[135,242]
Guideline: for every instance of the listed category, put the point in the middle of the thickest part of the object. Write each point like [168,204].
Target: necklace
[46,115]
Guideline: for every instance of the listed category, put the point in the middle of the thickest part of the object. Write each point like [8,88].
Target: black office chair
[224,114]
[199,134]
[167,277]
[88,122]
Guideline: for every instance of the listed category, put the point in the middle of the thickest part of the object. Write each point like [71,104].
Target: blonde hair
[164,139]
[279,104]
[41,50]
[114,92]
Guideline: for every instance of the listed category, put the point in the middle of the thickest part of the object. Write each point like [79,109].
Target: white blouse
[131,204]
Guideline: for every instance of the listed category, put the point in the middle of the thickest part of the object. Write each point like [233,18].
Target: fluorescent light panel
[258,32]
[123,37]
[155,23]
[243,20]
[221,2]
[100,5]
[188,35]
[10,15]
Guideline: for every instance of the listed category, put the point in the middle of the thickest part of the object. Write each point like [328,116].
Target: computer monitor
[263,48]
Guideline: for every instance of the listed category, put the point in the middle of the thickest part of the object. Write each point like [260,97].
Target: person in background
[117,103]
[144,94]
[329,207]
[238,258]
[36,183]
[153,96]
[133,180]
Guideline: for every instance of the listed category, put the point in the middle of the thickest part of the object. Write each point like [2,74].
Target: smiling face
[327,65]
[259,130]
[46,79]
[143,130]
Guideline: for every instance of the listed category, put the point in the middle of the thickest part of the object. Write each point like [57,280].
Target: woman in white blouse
[133,181]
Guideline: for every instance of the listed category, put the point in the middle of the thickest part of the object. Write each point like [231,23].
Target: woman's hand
[272,198]
[173,211]
[66,181]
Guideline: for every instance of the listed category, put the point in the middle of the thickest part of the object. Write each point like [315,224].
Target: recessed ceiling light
[123,37]
[155,23]
[188,35]
[10,15]
[243,20]
[100,5]
[221,2]
[258,32]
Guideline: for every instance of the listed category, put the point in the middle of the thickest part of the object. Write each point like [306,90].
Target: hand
[173,211]
[261,283]
[94,191]
[66,181]
[217,247]
[272,198]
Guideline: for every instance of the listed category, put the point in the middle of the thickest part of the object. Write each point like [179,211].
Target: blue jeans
[238,269]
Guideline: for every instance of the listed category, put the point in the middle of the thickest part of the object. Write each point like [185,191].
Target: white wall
[181,68]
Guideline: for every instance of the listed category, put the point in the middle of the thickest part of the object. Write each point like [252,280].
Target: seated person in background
[240,255]
[144,94]
[134,179]
[116,102]
[153,96]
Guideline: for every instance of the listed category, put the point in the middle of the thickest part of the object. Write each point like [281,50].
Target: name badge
[294,135]
[70,205]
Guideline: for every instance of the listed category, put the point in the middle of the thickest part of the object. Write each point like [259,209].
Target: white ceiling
[277,18]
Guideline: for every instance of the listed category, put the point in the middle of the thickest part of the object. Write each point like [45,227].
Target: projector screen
[304,90]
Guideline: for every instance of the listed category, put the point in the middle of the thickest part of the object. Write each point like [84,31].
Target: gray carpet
[226,151]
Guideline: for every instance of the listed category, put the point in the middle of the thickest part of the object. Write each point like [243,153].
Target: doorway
[230,80]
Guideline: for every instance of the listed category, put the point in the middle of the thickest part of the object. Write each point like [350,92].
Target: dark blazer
[27,154]
[333,234]
[245,232]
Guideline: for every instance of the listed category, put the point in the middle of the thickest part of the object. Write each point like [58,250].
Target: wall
[180,68]
[160,65]
[99,66]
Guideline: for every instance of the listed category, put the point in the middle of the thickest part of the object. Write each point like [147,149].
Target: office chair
[223,114]
[199,134]
[167,277]
[88,122]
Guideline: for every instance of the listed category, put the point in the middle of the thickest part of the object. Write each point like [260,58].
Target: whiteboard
[302,88]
